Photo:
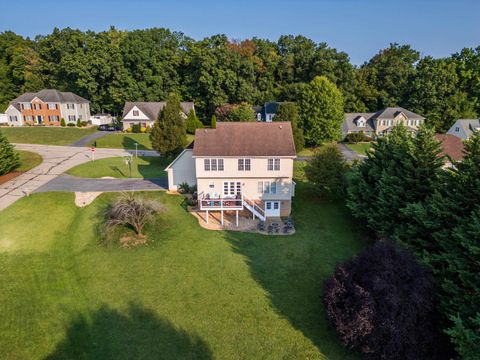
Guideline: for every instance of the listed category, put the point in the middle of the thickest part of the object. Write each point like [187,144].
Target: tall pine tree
[9,159]
[169,135]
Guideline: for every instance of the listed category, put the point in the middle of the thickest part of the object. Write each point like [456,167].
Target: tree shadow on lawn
[129,142]
[292,269]
[117,170]
[137,334]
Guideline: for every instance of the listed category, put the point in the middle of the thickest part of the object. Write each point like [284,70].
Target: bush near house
[382,303]
[357,137]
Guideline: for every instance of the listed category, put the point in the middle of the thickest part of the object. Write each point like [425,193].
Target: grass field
[191,294]
[360,148]
[143,167]
[127,141]
[28,160]
[45,135]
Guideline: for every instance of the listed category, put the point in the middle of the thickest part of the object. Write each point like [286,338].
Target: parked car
[106,127]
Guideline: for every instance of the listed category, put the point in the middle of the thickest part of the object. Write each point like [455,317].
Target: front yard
[45,135]
[191,294]
[128,140]
[360,148]
[147,167]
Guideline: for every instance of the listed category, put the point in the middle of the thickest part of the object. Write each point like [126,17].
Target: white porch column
[222,217]
[207,216]
[236,218]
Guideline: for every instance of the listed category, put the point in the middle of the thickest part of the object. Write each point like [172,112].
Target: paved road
[89,139]
[70,183]
[56,160]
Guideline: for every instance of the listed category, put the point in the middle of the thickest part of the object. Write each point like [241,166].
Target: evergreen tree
[168,134]
[321,106]
[213,122]
[62,122]
[288,111]
[9,159]
[192,123]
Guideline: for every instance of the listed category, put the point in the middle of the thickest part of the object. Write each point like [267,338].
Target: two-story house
[240,166]
[47,107]
[381,122]
[464,128]
[145,113]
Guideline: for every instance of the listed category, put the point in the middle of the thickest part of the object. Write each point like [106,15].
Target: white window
[52,106]
[267,187]
[213,164]
[273,165]
[27,106]
[13,118]
[457,129]
[244,165]
[135,112]
[72,118]
[211,185]
[53,118]
[232,188]
[70,106]
[37,106]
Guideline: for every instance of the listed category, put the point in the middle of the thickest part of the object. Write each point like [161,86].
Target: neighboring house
[452,148]
[381,122]
[47,107]
[101,119]
[464,128]
[240,166]
[145,113]
[3,119]
[267,111]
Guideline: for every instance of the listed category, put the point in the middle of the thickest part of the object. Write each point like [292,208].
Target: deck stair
[254,208]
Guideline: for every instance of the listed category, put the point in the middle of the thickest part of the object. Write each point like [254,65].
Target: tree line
[113,66]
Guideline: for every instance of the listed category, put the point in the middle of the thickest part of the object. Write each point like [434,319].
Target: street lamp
[128,162]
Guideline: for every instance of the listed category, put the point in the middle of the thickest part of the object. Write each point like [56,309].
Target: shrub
[70,124]
[382,303]
[327,170]
[192,123]
[79,123]
[129,130]
[143,129]
[184,188]
[62,122]
[135,128]
[83,123]
[357,137]
[131,211]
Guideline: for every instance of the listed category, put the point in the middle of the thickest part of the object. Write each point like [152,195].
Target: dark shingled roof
[49,95]
[245,139]
[452,146]
[152,109]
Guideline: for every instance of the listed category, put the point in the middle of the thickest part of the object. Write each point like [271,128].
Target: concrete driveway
[56,160]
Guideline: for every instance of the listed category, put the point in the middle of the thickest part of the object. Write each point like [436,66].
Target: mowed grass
[360,148]
[147,167]
[191,294]
[128,140]
[28,160]
[46,135]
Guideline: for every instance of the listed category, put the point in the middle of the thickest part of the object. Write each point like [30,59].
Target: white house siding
[12,111]
[182,170]
[80,111]
[3,119]
[460,133]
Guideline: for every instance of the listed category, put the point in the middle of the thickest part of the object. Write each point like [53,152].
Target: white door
[272,208]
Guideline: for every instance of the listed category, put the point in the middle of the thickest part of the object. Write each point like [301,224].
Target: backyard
[46,135]
[128,140]
[148,167]
[191,294]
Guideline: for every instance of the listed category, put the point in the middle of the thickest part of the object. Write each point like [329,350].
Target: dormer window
[361,122]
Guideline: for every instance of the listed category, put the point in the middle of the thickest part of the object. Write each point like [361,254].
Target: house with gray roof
[144,113]
[381,122]
[47,107]
[464,128]
[267,111]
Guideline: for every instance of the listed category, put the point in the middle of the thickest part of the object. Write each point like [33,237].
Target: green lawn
[147,167]
[191,294]
[360,148]
[45,135]
[127,141]
[28,160]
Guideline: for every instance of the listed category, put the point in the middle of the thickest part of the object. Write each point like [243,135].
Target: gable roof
[49,95]
[452,146]
[350,123]
[393,112]
[152,108]
[468,125]
[245,139]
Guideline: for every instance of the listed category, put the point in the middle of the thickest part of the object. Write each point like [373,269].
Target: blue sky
[359,27]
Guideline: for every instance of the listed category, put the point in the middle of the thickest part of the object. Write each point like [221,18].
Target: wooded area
[113,66]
